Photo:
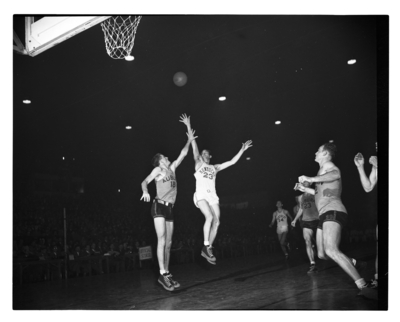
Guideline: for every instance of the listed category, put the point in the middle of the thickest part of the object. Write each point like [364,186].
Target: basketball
[180,79]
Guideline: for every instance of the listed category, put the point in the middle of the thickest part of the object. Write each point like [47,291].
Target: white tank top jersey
[281,218]
[205,178]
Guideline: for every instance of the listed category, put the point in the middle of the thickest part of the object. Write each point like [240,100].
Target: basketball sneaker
[175,284]
[206,252]
[369,291]
[313,269]
[165,282]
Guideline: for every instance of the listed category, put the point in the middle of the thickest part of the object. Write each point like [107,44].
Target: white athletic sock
[376,276]
[162,272]
[313,263]
[207,243]
[360,283]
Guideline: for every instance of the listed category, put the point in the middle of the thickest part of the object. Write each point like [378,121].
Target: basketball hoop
[119,35]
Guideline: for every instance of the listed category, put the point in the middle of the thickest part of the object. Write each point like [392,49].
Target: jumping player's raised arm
[222,166]
[367,183]
[146,196]
[196,155]
[184,151]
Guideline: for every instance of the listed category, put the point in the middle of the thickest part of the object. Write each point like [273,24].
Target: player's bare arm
[146,196]
[288,214]
[299,213]
[245,146]
[196,155]
[330,174]
[185,150]
[367,183]
[374,161]
[308,190]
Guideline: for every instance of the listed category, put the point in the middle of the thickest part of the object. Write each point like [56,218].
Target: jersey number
[173,184]
[208,175]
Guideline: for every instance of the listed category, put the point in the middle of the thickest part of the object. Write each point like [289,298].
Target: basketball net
[119,35]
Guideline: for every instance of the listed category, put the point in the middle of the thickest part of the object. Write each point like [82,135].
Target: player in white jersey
[332,213]
[161,210]
[205,196]
[368,185]
[282,228]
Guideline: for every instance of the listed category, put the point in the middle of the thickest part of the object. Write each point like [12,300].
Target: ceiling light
[128,127]
[351,62]
[222,98]
[26,101]
[278,122]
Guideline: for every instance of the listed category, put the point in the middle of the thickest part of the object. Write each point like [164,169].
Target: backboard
[48,31]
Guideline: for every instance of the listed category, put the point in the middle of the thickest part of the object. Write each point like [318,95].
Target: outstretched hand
[191,136]
[185,120]
[246,145]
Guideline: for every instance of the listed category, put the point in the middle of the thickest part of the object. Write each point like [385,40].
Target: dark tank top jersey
[167,187]
[310,211]
[327,196]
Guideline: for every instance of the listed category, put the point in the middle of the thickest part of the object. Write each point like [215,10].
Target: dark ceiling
[288,68]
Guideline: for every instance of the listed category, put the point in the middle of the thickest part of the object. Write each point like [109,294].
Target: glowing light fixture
[351,62]
[278,122]
[222,98]
[26,101]
[129,58]
[248,158]
[128,127]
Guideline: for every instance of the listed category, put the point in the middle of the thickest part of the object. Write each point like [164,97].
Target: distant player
[205,196]
[309,223]
[281,217]
[161,210]
[332,213]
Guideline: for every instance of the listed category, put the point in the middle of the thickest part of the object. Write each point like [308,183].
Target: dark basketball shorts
[313,224]
[160,210]
[333,215]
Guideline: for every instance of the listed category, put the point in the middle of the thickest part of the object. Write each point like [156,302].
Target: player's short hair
[209,151]
[155,161]
[331,149]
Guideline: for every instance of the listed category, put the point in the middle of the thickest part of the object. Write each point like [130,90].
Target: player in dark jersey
[332,213]
[205,196]
[309,223]
[161,210]
[368,185]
